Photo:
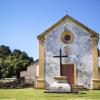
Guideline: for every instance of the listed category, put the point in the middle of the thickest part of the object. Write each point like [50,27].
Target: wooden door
[68,71]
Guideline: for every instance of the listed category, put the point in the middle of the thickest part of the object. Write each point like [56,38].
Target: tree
[4,51]
[11,63]
[16,53]
[3,68]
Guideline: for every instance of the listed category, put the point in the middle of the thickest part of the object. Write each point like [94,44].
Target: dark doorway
[68,71]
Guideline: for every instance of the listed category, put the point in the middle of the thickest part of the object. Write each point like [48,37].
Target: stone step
[76,87]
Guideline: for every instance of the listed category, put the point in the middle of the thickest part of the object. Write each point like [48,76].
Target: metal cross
[61,56]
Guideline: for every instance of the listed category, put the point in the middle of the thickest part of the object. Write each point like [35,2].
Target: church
[69,48]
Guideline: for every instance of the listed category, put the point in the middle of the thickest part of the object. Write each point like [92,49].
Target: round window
[67,37]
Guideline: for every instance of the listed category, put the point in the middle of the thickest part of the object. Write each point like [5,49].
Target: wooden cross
[61,56]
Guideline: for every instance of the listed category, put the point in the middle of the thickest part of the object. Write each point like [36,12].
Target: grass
[38,94]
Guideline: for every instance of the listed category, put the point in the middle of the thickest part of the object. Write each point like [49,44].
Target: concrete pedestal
[60,85]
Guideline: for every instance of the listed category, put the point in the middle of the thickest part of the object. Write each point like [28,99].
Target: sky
[21,21]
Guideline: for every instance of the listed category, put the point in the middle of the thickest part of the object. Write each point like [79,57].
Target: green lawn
[38,94]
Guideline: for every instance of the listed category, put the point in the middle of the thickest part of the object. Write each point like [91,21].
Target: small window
[67,37]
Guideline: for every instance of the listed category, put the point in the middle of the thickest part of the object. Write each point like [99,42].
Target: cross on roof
[66,12]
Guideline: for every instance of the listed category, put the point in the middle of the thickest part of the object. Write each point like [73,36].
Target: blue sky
[21,21]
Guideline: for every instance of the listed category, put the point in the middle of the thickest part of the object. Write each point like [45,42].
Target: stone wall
[30,74]
[80,53]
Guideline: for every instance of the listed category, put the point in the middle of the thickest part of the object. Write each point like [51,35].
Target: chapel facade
[68,48]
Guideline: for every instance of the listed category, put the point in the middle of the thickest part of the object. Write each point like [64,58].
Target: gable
[41,37]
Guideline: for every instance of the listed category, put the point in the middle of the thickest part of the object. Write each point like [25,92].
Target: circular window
[67,37]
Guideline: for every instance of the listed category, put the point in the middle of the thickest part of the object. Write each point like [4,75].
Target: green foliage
[11,63]
[38,94]
[4,51]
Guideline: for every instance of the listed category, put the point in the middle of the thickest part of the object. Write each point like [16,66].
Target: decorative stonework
[79,53]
